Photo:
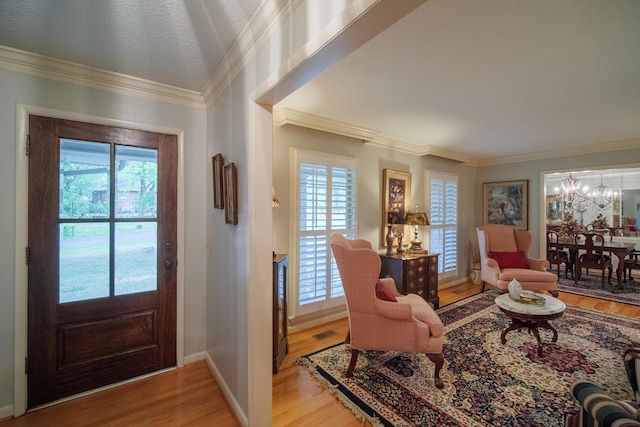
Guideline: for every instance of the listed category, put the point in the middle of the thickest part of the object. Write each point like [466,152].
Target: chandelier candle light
[602,196]
[571,192]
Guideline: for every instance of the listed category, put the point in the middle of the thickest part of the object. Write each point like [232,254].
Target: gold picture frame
[230,194]
[506,203]
[396,200]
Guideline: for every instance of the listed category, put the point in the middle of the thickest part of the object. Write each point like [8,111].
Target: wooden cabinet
[413,274]
[280,341]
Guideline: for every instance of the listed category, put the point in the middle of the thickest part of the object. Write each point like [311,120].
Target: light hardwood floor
[190,396]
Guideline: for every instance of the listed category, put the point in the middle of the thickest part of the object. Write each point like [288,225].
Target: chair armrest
[538,264]
[393,310]
[390,284]
[601,407]
[493,264]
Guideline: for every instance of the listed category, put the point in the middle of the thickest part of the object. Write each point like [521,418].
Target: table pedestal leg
[532,326]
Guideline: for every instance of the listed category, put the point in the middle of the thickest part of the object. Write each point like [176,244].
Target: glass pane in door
[136,260]
[136,182]
[84,179]
[84,261]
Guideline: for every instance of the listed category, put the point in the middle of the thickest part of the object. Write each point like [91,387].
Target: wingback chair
[504,257]
[376,321]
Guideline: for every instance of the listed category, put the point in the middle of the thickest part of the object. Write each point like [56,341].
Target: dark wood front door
[101,257]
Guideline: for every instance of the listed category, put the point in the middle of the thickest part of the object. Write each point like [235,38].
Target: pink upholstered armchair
[504,256]
[408,325]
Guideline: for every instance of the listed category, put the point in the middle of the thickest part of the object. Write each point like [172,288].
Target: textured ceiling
[489,78]
[175,42]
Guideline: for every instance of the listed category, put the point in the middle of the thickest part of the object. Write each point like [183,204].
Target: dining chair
[556,255]
[593,256]
[631,262]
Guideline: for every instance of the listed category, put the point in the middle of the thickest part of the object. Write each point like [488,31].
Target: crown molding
[600,147]
[36,65]
[286,116]
[434,150]
[265,21]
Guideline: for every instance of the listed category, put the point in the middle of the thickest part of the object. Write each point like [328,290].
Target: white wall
[239,276]
[38,92]
[532,170]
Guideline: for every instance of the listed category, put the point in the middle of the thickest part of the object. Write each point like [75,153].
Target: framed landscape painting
[506,203]
[396,199]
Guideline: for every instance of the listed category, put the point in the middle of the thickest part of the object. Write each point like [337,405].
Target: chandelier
[602,196]
[570,192]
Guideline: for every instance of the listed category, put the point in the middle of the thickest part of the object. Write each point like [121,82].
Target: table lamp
[416,219]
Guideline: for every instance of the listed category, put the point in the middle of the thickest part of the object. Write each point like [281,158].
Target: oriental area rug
[590,285]
[486,383]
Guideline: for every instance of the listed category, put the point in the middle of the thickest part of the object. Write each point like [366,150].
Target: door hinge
[27,147]
[27,255]
[26,365]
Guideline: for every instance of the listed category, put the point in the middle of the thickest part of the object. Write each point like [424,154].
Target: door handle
[168,264]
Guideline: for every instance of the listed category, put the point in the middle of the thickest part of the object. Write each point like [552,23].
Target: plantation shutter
[444,221]
[326,204]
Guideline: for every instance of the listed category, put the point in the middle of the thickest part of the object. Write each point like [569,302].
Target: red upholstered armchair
[376,322]
[504,257]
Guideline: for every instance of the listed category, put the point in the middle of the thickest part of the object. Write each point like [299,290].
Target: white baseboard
[6,412]
[194,357]
[301,323]
[449,284]
[241,416]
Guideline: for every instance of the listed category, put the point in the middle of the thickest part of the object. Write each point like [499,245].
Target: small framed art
[218,192]
[230,194]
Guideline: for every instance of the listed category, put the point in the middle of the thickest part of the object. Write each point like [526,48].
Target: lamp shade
[416,218]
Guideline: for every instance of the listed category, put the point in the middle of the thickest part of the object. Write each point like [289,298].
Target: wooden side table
[280,340]
[413,274]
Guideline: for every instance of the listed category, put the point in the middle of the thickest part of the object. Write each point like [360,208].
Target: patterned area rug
[486,383]
[590,285]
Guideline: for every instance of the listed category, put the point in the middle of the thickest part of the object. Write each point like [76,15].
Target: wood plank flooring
[190,396]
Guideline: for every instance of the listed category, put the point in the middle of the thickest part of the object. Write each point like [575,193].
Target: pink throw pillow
[510,259]
[383,293]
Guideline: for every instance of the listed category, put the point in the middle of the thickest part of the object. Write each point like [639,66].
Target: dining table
[619,248]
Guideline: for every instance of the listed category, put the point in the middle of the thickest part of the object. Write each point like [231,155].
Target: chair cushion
[383,293]
[510,259]
[527,275]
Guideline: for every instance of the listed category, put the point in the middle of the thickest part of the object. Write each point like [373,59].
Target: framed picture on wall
[396,199]
[230,194]
[506,203]
[218,192]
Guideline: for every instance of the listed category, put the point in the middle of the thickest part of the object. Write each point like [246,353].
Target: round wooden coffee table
[530,316]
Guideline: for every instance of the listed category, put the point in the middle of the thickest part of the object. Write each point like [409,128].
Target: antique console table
[413,274]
